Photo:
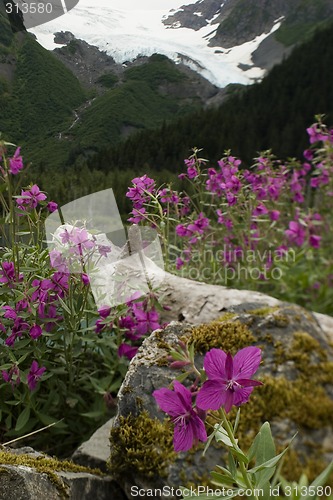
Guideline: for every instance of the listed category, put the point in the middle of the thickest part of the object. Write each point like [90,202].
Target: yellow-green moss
[263,311]
[45,465]
[227,316]
[227,335]
[141,445]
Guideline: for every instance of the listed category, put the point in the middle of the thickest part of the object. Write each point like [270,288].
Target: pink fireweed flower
[315,134]
[314,240]
[58,261]
[260,210]
[34,375]
[274,215]
[10,312]
[127,350]
[179,263]
[104,311]
[182,231]
[16,162]
[104,250]
[192,172]
[229,379]
[295,233]
[7,273]
[146,320]
[52,206]
[199,224]
[189,427]
[85,279]
[139,194]
[12,376]
[31,198]
[308,154]
[138,215]
[35,332]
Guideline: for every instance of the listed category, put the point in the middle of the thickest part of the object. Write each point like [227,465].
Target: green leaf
[232,465]
[182,377]
[210,438]
[45,419]
[270,463]
[92,414]
[64,305]
[319,481]
[266,446]
[237,421]
[221,435]
[23,419]
[222,479]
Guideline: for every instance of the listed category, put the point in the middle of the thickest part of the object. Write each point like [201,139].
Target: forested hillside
[271,114]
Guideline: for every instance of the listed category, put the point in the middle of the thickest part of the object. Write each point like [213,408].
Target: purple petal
[214,364]
[242,396]
[169,402]
[184,394]
[212,395]
[229,364]
[183,437]
[246,362]
[199,428]
[246,382]
[229,400]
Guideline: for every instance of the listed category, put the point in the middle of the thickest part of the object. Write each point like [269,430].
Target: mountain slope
[236,22]
[271,114]
[37,93]
[44,107]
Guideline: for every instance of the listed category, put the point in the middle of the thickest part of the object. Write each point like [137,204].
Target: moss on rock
[46,465]
[141,445]
[226,334]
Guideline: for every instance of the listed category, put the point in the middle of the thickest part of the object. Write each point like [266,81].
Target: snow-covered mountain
[125,29]
[226,41]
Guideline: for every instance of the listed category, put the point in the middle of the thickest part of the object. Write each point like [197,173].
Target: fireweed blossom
[189,427]
[31,198]
[229,379]
[16,162]
[34,375]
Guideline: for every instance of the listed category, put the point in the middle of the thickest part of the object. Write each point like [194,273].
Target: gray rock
[25,482]
[195,302]
[297,394]
[95,451]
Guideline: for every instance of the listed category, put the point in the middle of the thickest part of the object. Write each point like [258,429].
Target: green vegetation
[108,80]
[158,70]
[272,114]
[304,21]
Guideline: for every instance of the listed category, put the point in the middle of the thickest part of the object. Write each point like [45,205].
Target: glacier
[126,29]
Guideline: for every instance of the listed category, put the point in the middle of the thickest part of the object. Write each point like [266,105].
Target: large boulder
[297,395]
[28,475]
[196,302]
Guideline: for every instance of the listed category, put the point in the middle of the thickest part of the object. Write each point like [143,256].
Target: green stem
[243,470]
[12,222]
